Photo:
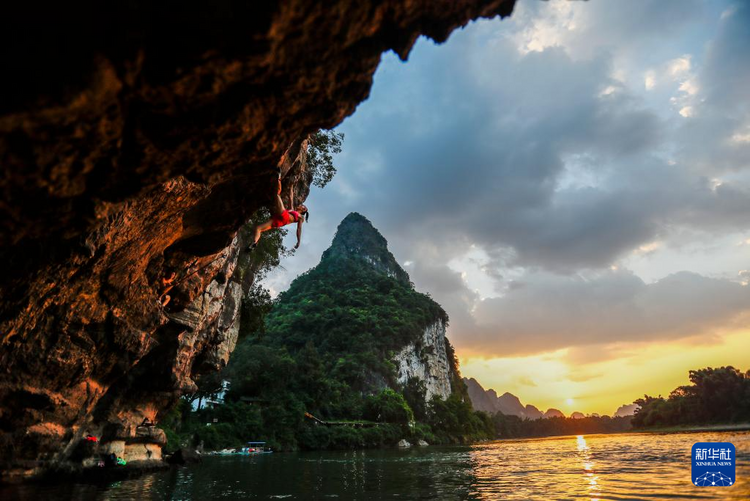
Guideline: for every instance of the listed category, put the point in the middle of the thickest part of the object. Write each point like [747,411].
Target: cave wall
[135,139]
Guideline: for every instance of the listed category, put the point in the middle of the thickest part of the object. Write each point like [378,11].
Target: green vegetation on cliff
[321,148]
[326,348]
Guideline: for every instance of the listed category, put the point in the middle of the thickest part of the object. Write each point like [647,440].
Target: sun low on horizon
[555,380]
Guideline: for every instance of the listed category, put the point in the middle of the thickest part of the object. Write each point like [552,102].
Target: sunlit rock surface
[427,360]
[135,139]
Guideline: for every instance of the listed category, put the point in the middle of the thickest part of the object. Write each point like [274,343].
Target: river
[623,466]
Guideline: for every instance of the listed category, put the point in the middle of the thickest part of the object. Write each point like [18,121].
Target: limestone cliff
[427,360]
[135,139]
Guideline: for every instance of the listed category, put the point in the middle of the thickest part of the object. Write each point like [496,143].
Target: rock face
[135,139]
[507,403]
[427,361]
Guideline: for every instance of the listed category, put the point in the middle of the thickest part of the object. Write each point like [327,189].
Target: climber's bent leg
[260,229]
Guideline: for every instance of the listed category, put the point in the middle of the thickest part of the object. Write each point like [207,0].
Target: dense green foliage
[321,148]
[234,422]
[326,348]
[714,396]
[356,238]
[516,427]
[345,307]
[454,420]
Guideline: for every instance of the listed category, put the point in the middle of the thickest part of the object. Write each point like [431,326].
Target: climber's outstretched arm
[299,232]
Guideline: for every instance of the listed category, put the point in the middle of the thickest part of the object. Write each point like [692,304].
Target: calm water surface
[627,466]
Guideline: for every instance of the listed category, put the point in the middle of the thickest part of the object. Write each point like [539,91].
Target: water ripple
[591,467]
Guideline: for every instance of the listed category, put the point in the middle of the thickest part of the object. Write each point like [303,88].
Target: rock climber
[280,216]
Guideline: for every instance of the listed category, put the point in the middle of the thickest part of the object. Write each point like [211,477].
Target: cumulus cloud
[585,29]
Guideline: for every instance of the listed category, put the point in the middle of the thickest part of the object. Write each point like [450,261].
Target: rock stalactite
[135,140]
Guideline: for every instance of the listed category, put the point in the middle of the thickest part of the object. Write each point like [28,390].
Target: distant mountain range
[507,403]
[510,405]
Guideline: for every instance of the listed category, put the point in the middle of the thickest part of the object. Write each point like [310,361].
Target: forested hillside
[350,340]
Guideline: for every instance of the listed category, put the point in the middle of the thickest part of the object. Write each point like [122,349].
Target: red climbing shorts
[282,219]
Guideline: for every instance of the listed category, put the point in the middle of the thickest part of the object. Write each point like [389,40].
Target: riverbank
[666,429]
[695,428]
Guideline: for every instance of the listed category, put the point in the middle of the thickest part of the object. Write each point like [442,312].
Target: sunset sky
[573,186]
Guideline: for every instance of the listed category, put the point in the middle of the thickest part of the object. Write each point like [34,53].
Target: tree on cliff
[321,147]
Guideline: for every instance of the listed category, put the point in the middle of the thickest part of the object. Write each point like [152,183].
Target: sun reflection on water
[591,467]
[592,479]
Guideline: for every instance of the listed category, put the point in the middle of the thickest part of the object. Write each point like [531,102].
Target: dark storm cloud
[473,139]
[486,168]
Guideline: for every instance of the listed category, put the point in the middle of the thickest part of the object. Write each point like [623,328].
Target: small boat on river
[255,448]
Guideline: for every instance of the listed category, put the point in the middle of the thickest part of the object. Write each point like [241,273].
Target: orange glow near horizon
[560,380]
